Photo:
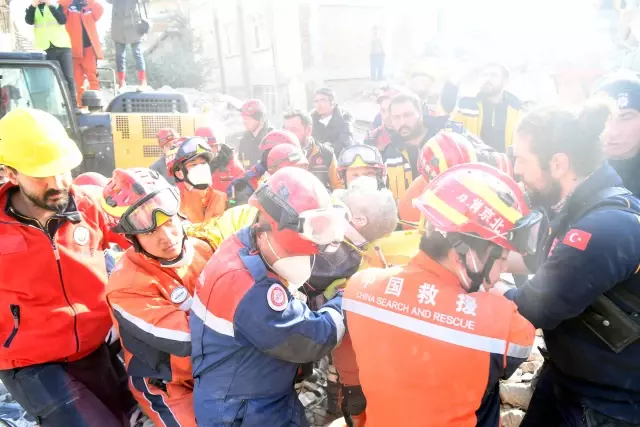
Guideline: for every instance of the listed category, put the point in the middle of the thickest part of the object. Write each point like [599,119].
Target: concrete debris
[511,417]
[516,394]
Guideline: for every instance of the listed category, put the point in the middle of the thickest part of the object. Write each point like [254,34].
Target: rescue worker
[331,124]
[150,292]
[249,333]
[242,188]
[322,158]
[359,162]
[225,166]
[166,138]
[188,161]
[401,155]
[494,113]
[445,150]
[621,137]
[54,360]
[380,136]
[50,35]
[91,178]
[285,155]
[254,118]
[86,49]
[432,307]
[592,373]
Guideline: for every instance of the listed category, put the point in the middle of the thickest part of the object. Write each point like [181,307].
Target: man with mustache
[584,295]
[53,316]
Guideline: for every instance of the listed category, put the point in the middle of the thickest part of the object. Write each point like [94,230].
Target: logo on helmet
[283,192]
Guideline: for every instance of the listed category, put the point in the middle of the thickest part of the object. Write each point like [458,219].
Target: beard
[411,133]
[45,202]
[546,197]
[489,90]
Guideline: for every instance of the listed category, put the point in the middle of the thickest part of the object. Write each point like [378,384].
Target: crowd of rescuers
[220,290]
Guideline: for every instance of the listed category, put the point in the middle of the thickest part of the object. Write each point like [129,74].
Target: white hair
[377,206]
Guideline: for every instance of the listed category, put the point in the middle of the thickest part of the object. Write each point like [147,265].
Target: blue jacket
[591,255]
[248,337]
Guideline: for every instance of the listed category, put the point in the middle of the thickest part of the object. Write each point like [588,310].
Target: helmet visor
[524,237]
[323,226]
[367,155]
[142,217]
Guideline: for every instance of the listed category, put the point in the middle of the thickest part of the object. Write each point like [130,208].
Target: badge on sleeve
[577,239]
[179,295]
[277,297]
[81,235]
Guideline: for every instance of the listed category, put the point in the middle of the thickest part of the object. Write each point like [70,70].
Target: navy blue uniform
[588,257]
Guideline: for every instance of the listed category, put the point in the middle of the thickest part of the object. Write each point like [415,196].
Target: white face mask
[365,183]
[296,270]
[200,175]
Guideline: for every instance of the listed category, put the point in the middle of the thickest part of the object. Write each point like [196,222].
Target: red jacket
[52,305]
[86,17]
[222,177]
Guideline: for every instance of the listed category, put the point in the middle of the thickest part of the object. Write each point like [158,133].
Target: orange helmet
[299,210]
[166,136]
[284,155]
[479,201]
[91,178]
[443,151]
[138,200]
[277,137]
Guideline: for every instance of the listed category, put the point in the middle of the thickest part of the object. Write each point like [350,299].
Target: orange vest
[88,17]
[425,348]
[199,206]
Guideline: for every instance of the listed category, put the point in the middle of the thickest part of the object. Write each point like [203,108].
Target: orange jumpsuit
[201,205]
[150,306]
[429,353]
[85,59]
[406,211]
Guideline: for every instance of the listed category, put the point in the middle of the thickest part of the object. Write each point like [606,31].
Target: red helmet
[284,155]
[502,162]
[360,156]
[207,133]
[253,108]
[299,211]
[444,150]
[277,137]
[479,201]
[166,135]
[91,178]
[139,200]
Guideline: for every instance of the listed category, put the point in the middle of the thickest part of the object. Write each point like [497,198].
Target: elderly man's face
[621,137]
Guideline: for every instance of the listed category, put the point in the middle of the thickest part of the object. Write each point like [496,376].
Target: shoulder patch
[179,295]
[577,239]
[277,297]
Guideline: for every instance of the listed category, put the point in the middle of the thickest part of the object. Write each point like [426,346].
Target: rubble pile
[516,392]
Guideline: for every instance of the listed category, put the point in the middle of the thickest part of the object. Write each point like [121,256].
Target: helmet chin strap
[476,277]
[185,257]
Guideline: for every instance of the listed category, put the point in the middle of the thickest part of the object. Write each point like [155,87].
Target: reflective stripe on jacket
[429,353]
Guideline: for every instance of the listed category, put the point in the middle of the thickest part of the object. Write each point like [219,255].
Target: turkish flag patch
[577,239]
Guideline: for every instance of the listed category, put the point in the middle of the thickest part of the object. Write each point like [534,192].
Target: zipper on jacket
[15,312]
[64,292]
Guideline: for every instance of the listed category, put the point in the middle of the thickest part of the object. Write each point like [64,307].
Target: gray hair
[378,206]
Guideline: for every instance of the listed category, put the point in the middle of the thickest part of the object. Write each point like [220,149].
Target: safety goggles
[143,216]
[367,154]
[524,236]
[320,226]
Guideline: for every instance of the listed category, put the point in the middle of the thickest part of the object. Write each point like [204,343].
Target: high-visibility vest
[48,32]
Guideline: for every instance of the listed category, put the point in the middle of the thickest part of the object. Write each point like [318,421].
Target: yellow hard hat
[36,144]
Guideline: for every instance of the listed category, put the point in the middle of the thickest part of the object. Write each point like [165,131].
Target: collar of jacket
[71,213]
[423,262]
[603,177]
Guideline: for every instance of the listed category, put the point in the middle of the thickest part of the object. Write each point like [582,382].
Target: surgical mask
[199,176]
[365,183]
[296,270]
